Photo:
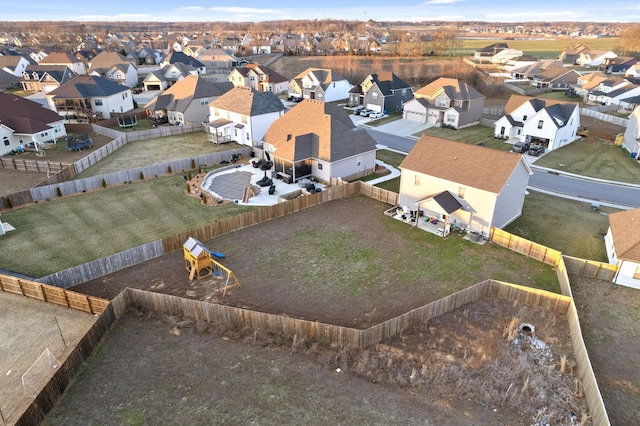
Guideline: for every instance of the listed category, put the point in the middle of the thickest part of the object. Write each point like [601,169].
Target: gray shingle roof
[87,86]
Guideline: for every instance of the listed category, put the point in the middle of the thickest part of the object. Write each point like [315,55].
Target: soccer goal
[40,371]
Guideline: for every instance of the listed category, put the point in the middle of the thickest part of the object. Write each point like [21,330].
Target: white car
[376,114]
[365,112]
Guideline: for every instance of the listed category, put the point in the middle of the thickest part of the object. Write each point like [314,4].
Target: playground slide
[218,255]
[211,252]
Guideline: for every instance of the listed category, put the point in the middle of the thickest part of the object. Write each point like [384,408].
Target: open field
[71,231]
[543,49]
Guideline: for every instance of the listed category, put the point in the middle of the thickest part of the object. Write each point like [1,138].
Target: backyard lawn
[472,135]
[71,231]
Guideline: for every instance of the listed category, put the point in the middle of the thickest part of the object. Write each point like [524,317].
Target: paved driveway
[401,127]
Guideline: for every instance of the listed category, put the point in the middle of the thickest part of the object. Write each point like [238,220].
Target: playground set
[200,263]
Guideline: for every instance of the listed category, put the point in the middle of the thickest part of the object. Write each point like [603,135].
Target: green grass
[543,49]
[60,234]
[472,135]
[154,151]
[565,225]
[594,157]
[558,95]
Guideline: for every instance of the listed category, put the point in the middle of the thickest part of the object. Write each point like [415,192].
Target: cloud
[191,8]
[243,10]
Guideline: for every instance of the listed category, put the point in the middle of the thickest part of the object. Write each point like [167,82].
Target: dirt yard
[28,328]
[471,366]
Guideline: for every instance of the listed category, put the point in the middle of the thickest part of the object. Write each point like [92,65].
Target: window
[540,124]
[204,101]
[524,118]
[319,166]
[216,112]
[637,273]
[97,102]
[6,141]
[461,192]
[244,119]
[451,118]
[319,96]
[374,95]
[247,136]
[359,161]
[404,91]
[416,179]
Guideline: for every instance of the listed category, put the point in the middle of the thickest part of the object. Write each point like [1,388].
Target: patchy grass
[154,151]
[559,96]
[566,225]
[594,157]
[543,49]
[71,231]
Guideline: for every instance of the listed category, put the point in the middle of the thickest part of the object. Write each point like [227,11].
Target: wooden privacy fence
[51,294]
[604,117]
[590,268]
[330,334]
[30,165]
[523,246]
[64,375]
[586,375]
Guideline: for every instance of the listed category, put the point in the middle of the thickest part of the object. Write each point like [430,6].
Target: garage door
[373,107]
[414,116]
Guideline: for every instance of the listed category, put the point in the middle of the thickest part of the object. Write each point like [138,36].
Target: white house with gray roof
[88,98]
[243,115]
[318,83]
[552,124]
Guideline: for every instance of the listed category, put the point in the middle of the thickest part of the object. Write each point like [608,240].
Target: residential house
[260,78]
[187,101]
[14,64]
[631,141]
[89,98]
[243,115]
[445,101]
[465,185]
[535,69]
[8,80]
[617,65]
[45,78]
[321,84]
[552,124]
[218,59]
[231,44]
[381,92]
[633,71]
[594,58]
[58,58]
[556,78]
[622,242]
[24,122]
[505,55]
[613,92]
[320,140]
[591,81]
[113,66]
[181,58]
[518,62]
[167,76]
[571,54]
[488,52]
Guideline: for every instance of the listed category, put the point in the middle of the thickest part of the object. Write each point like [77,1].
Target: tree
[630,40]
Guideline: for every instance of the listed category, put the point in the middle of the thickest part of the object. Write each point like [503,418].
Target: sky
[260,10]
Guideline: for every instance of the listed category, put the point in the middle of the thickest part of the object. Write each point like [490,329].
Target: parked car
[521,147]
[357,111]
[376,115]
[365,112]
[536,150]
